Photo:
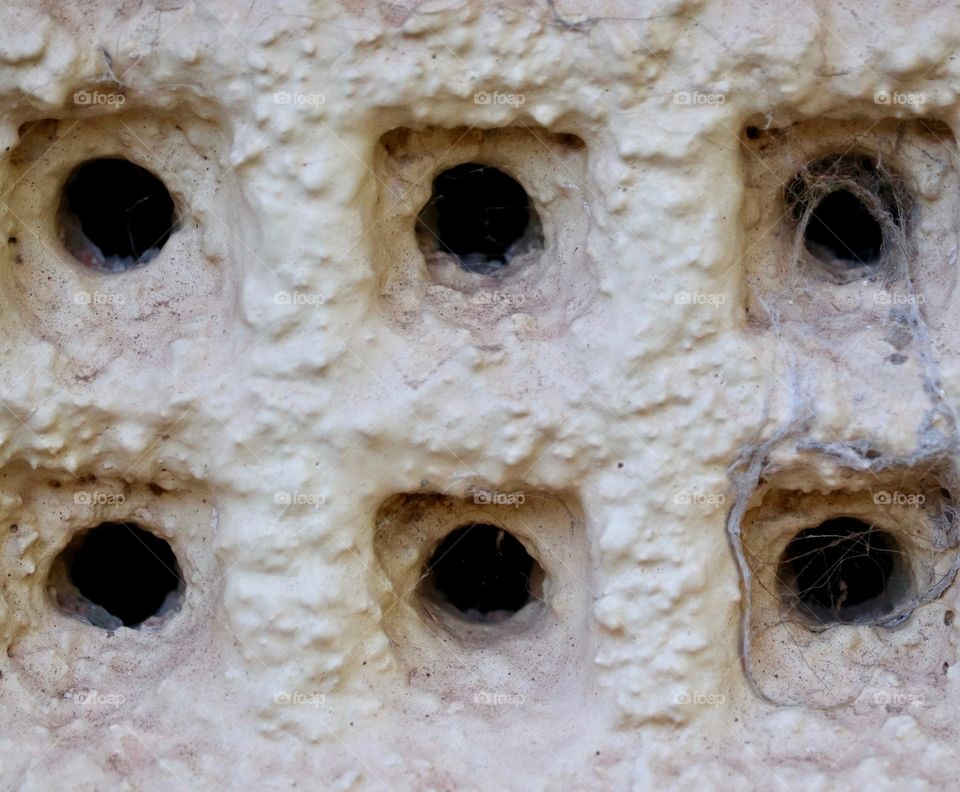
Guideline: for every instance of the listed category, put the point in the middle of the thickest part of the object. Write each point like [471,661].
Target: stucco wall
[302,402]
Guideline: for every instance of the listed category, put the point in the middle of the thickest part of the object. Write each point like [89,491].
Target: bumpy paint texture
[303,396]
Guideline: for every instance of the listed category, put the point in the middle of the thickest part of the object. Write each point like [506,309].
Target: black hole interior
[850,204]
[123,572]
[845,571]
[114,214]
[481,216]
[842,228]
[481,570]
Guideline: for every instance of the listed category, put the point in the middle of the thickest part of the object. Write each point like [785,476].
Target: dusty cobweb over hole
[844,571]
[118,574]
[114,215]
[849,212]
[481,217]
[482,573]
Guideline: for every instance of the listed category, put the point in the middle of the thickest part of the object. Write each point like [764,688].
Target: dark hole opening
[845,571]
[842,228]
[481,216]
[123,574]
[114,215]
[483,571]
[852,206]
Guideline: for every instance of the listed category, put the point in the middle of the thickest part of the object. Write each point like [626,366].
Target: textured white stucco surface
[662,366]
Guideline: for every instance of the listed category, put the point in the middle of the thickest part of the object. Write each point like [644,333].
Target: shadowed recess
[114,215]
[844,571]
[842,227]
[853,210]
[124,574]
[481,216]
[480,569]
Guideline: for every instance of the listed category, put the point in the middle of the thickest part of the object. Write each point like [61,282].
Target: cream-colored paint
[289,339]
